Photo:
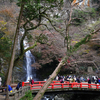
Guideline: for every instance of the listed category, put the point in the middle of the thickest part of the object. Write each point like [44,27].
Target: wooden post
[7,94]
[71,85]
[15,96]
[52,86]
[18,93]
[89,85]
[30,87]
[62,85]
[80,85]
[97,86]
[22,84]
[23,90]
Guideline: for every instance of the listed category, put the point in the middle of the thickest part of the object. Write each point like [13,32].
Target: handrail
[20,93]
[57,85]
[3,93]
[54,85]
[16,95]
[66,84]
[39,82]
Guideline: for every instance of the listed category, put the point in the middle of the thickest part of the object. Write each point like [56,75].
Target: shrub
[28,96]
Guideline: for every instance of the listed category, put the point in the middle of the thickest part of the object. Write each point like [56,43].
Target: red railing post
[97,86]
[62,85]
[22,84]
[89,85]
[71,85]
[52,86]
[80,85]
[41,85]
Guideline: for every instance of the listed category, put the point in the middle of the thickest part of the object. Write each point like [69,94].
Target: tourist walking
[96,80]
[61,80]
[78,80]
[32,81]
[57,78]
[19,85]
[89,80]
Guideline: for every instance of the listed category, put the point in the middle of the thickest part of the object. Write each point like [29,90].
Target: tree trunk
[52,76]
[14,47]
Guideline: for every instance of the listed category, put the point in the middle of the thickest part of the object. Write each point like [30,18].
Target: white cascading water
[29,60]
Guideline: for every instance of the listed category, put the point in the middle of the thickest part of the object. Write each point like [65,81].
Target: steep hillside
[86,56]
[51,46]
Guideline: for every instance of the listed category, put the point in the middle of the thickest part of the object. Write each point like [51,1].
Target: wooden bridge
[55,87]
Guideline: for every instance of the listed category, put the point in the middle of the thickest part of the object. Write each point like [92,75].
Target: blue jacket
[19,85]
[9,88]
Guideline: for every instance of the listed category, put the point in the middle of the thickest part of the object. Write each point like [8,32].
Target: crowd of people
[69,78]
[78,79]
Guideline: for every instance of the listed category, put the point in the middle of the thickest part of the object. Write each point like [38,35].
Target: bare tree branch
[52,24]
[95,39]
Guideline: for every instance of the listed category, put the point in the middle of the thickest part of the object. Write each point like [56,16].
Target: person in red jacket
[32,81]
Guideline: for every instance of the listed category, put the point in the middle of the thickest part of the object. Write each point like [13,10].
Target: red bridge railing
[57,84]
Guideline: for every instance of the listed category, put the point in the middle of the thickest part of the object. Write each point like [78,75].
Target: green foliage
[38,1]
[5,47]
[3,78]
[28,96]
[29,36]
[92,12]
[31,11]
[82,68]
[34,9]
[3,25]
[37,54]
[79,21]
[83,41]
[42,38]
[80,16]
[1,34]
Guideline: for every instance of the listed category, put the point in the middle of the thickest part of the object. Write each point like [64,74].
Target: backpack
[32,82]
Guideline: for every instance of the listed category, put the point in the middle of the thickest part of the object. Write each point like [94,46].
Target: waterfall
[28,56]
[29,60]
